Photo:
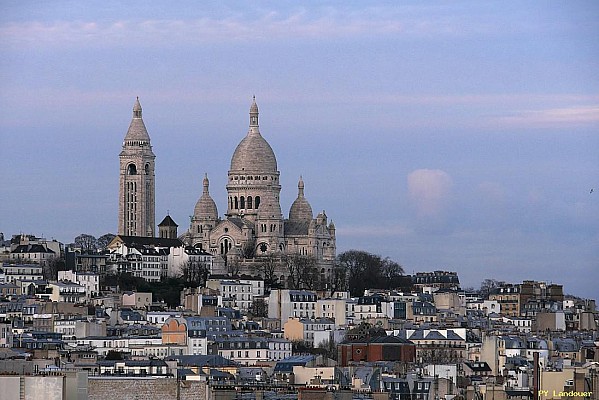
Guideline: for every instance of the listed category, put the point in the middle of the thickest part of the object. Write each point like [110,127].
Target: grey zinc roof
[293,228]
[203,360]
[434,335]
[134,241]
[167,221]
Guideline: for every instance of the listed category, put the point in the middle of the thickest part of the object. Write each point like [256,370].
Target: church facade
[253,226]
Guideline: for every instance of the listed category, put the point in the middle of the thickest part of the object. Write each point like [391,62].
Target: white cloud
[549,117]
[315,22]
[429,189]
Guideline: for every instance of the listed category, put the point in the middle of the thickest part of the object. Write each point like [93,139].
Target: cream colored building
[68,292]
[253,224]
[136,187]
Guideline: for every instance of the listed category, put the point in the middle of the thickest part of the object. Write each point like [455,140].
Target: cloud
[588,114]
[246,25]
[429,190]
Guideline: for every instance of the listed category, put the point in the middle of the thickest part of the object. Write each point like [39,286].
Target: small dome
[253,153]
[300,209]
[205,208]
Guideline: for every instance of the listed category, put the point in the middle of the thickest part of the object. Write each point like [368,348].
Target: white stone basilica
[253,226]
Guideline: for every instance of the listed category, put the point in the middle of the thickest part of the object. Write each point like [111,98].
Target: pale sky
[459,136]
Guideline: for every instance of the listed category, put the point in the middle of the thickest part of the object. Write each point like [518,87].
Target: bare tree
[195,273]
[267,267]
[337,280]
[233,267]
[301,272]
[87,243]
[366,270]
[249,249]
[329,348]
[51,267]
[487,286]
[259,308]
[104,240]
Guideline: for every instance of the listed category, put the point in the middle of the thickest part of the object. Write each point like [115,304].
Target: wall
[145,389]
[56,386]
[9,387]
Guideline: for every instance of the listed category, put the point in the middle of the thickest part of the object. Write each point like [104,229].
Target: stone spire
[300,187]
[206,183]
[254,113]
[137,108]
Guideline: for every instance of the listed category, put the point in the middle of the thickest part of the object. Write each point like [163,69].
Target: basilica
[253,226]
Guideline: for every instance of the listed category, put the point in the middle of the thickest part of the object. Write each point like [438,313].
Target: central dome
[253,153]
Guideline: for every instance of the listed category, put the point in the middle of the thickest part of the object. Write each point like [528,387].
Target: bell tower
[136,190]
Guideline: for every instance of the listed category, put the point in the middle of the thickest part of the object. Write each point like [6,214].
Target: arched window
[236,205]
[242,203]
[147,169]
[225,246]
[250,202]
[257,202]
[131,169]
